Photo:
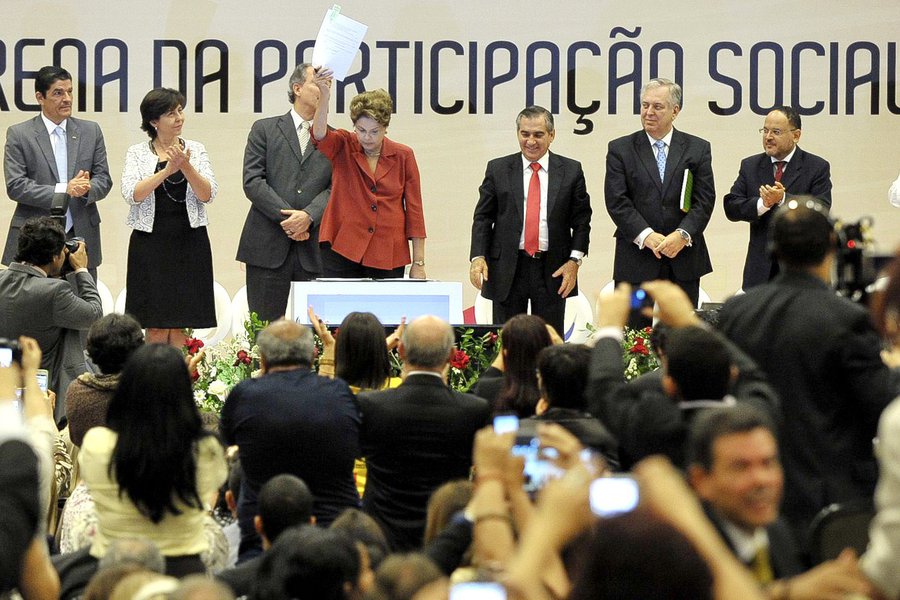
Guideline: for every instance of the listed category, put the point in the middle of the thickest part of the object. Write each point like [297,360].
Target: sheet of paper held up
[338,41]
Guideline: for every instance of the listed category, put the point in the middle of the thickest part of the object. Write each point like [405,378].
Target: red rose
[648,330]
[195,375]
[639,347]
[242,357]
[193,345]
[459,360]
[492,339]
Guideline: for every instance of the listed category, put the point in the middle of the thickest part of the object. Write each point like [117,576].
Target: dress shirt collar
[667,139]
[544,161]
[786,159]
[51,126]
[298,119]
[432,373]
[745,544]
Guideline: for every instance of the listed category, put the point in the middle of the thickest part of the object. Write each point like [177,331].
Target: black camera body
[854,262]
[71,246]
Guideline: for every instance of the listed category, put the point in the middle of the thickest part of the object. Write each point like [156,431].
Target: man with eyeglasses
[56,153]
[767,180]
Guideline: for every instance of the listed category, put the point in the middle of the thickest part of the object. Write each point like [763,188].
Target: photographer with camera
[51,310]
[822,355]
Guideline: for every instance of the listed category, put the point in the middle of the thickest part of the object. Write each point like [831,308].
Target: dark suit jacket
[415,438]
[277,177]
[31,177]
[805,174]
[19,502]
[299,423]
[52,311]
[784,553]
[499,219]
[821,354]
[636,199]
[241,578]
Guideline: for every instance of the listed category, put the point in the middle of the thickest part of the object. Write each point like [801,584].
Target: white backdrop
[447,52]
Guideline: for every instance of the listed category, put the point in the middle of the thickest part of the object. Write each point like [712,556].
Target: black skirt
[170,274]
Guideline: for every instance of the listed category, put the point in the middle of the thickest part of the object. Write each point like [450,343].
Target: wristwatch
[684,235]
[577,261]
[419,263]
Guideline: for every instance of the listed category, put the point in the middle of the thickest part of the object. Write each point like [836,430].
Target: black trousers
[268,289]
[529,284]
[338,265]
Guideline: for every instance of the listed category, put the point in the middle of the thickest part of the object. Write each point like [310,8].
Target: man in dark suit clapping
[56,153]
[766,180]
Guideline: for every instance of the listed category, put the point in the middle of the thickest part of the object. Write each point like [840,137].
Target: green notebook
[687,188]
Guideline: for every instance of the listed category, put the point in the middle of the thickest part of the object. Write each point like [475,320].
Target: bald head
[427,343]
[286,343]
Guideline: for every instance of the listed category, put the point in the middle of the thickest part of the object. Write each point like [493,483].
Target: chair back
[839,526]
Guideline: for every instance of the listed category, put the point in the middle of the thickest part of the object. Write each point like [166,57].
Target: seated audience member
[822,355]
[879,563]
[509,384]
[448,529]
[735,470]
[104,581]
[110,341]
[51,310]
[309,562]
[78,569]
[400,576]
[446,501]
[290,420]
[697,375]
[360,354]
[144,585]
[198,587]
[365,531]
[225,512]
[659,552]
[417,436]
[24,561]
[153,471]
[284,502]
[562,379]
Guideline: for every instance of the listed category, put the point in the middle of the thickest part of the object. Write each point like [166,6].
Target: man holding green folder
[660,194]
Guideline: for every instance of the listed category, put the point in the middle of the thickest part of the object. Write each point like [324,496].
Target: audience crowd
[705,479]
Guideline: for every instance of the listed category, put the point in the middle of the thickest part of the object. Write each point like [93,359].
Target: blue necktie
[661,158]
[61,153]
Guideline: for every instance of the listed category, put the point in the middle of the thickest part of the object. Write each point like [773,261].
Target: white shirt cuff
[642,237]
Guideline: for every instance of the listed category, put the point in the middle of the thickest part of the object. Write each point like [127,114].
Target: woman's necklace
[166,182]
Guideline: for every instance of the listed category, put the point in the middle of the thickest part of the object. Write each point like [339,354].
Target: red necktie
[533,212]
[779,170]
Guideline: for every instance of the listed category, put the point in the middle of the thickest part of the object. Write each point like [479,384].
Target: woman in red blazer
[376,199]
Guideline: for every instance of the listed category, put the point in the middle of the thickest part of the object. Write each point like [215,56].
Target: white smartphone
[477,590]
[6,356]
[614,495]
[506,423]
[43,377]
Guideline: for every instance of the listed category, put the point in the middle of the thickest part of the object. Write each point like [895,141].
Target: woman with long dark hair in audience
[360,353]
[510,384]
[152,470]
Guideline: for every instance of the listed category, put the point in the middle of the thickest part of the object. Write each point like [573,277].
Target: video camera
[854,259]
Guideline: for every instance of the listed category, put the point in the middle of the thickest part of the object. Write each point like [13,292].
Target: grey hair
[675,93]
[294,346]
[427,343]
[300,75]
[138,550]
[200,586]
[532,112]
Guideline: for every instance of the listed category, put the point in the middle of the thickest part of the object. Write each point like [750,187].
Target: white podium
[389,300]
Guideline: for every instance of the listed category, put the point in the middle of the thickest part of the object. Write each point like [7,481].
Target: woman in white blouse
[168,181]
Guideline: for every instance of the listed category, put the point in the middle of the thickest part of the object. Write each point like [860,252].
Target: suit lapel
[286,125]
[73,140]
[673,158]
[42,139]
[645,156]
[517,185]
[765,171]
[792,173]
[386,162]
[555,176]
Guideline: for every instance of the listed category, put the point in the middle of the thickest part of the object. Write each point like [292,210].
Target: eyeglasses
[775,132]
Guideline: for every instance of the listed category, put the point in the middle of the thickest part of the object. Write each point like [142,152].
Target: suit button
[371,230]
[373,189]
[374,208]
